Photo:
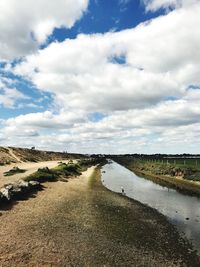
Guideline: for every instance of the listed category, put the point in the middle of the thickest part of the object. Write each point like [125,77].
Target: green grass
[31,159]
[187,170]
[68,169]
[14,171]
[42,175]
[178,162]
[185,180]
[62,171]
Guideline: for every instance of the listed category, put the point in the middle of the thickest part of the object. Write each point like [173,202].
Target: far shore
[191,187]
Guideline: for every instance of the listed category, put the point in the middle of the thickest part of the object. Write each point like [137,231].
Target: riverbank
[150,171]
[81,223]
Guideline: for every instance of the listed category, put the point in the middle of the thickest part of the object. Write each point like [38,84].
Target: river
[182,210]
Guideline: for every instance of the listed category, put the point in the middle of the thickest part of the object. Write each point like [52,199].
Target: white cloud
[162,60]
[25,24]
[45,120]
[9,96]
[143,99]
[153,5]
[175,123]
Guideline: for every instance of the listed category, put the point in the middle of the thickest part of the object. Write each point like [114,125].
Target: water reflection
[182,210]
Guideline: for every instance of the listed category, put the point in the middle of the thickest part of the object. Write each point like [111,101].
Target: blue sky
[117,76]
[103,16]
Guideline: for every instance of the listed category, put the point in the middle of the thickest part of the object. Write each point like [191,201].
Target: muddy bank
[81,223]
[150,171]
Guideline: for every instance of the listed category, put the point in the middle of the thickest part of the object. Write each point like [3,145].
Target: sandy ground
[13,155]
[31,167]
[81,223]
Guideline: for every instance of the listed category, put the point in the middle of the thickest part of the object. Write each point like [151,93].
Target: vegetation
[187,168]
[183,178]
[35,155]
[68,169]
[63,170]
[42,175]
[14,171]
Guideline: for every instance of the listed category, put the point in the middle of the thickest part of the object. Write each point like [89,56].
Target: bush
[14,171]
[68,169]
[42,175]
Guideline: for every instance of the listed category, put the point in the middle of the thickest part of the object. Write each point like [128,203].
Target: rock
[34,184]
[18,190]
[18,193]
[24,187]
[9,187]
[23,183]
[3,198]
[6,194]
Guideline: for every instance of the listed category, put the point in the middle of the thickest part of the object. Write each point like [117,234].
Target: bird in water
[122,189]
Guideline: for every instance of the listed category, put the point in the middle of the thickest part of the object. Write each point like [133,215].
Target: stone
[6,193]
[34,184]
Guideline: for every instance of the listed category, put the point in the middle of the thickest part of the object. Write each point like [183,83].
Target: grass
[94,176]
[14,171]
[42,175]
[68,169]
[181,162]
[31,159]
[63,170]
[184,178]
[173,169]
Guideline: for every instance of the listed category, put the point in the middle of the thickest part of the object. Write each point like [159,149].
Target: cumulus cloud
[45,120]
[171,122]
[9,96]
[153,5]
[161,59]
[144,81]
[25,24]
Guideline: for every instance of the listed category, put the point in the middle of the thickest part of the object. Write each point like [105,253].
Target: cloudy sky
[100,76]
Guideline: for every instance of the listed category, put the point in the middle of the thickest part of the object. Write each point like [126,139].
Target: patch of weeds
[194,177]
[31,159]
[62,171]
[42,175]
[14,171]
[67,169]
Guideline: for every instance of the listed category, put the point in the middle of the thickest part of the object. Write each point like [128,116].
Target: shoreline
[180,184]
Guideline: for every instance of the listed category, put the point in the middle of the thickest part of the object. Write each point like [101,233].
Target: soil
[30,168]
[81,223]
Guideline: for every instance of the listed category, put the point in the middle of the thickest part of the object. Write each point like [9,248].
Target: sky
[100,76]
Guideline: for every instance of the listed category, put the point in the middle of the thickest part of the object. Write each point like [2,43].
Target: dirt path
[31,167]
[13,155]
[80,223]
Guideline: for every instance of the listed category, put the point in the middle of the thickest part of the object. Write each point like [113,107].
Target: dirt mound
[6,157]
[14,155]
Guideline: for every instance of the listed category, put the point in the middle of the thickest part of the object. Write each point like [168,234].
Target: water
[182,210]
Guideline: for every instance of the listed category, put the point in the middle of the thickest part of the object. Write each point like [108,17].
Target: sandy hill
[14,154]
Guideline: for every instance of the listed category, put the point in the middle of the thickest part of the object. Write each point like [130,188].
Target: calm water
[176,206]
